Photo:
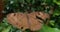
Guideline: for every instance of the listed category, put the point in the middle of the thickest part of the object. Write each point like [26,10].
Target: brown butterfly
[32,21]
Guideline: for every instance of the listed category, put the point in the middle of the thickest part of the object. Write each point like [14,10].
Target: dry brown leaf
[1,5]
[1,8]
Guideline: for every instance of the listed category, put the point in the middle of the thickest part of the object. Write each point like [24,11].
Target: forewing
[18,19]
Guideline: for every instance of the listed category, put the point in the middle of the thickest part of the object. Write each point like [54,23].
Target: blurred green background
[33,5]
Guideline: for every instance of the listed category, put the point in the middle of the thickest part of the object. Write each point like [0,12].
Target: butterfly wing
[44,16]
[35,24]
[18,19]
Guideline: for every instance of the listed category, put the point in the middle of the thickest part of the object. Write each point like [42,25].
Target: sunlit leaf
[6,29]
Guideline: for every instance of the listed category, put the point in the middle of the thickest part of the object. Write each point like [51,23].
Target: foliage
[33,5]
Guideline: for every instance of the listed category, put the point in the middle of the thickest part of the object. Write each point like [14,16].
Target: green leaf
[6,29]
[57,2]
[48,29]
[57,12]
[52,22]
